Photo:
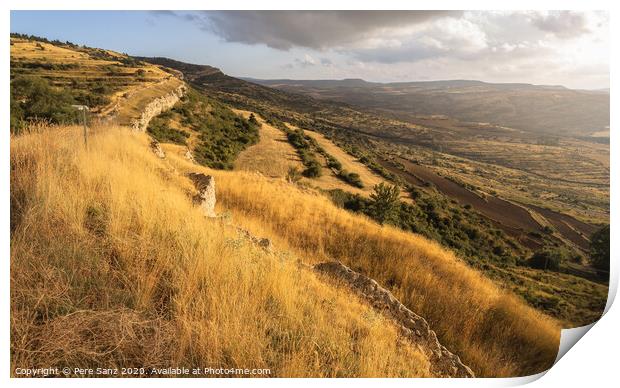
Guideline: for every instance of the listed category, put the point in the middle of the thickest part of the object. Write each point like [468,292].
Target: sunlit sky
[553,48]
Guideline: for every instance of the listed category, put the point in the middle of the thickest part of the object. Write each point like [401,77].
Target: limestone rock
[156,147]
[206,192]
[414,327]
[156,107]
[262,242]
[189,156]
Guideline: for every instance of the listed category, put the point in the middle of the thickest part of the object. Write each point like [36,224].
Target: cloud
[306,61]
[309,61]
[563,24]
[311,29]
[531,46]
[446,36]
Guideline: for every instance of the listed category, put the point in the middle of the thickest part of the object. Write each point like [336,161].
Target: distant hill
[549,109]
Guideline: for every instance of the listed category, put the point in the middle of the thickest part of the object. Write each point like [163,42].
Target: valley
[110,237]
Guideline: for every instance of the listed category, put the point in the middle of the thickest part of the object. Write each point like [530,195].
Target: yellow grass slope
[272,156]
[112,266]
[493,331]
[329,181]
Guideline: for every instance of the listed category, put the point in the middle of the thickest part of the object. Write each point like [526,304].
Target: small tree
[547,259]
[599,251]
[252,119]
[293,175]
[384,202]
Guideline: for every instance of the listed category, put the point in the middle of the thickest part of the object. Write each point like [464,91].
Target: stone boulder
[412,326]
[205,184]
[189,156]
[156,148]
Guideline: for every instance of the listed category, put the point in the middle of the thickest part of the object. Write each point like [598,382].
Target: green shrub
[599,251]
[297,140]
[547,259]
[159,129]
[351,178]
[333,163]
[313,169]
[253,120]
[33,98]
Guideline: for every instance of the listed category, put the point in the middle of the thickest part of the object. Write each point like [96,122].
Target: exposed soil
[574,230]
[513,219]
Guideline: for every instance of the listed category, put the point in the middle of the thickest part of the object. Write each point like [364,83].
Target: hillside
[113,238]
[564,174]
[483,211]
[98,280]
[150,260]
[114,86]
[534,108]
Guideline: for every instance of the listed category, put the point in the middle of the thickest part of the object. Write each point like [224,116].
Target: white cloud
[563,24]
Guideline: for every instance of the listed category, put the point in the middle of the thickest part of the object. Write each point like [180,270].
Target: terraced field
[115,85]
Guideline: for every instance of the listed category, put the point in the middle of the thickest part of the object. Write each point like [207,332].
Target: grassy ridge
[493,331]
[48,76]
[112,266]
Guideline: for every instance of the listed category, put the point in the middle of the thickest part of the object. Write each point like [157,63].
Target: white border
[594,360]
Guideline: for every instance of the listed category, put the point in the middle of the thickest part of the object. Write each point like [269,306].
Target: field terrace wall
[156,107]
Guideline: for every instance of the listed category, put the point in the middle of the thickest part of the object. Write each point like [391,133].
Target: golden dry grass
[493,331]
[112,266]
[27,49]
[272,156]
[329,180]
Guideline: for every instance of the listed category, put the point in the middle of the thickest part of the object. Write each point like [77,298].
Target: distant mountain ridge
[359,82]
[544,109]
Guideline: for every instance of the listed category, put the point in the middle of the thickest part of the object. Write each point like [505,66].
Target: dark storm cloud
[313,29]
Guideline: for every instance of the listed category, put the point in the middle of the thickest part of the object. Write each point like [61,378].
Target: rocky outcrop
[206,192]
[189,156]
[261,242]
[157,106]
[157,150]
[414,327]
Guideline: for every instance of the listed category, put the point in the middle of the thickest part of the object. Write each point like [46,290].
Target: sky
[569,48]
